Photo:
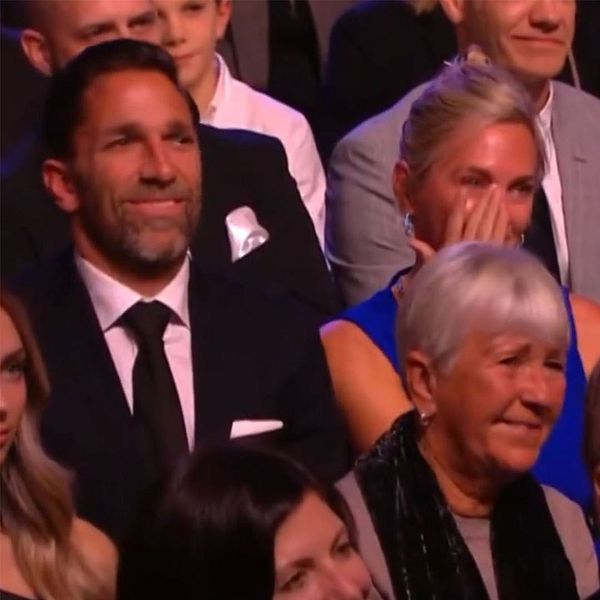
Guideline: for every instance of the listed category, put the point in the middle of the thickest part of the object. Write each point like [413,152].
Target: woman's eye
[555,365]
[295,582]
[525,189]
[14,370]
[344,548]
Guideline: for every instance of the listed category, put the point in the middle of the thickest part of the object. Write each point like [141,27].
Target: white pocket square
[252,427]
[244,231]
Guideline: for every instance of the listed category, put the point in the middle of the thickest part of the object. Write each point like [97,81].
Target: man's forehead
[121,96]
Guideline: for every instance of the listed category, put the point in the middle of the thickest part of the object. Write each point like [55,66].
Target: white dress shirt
[111,299]
[553,190]
[236,105]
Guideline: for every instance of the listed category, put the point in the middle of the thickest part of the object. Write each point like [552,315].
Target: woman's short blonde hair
[475,286]
[470,90]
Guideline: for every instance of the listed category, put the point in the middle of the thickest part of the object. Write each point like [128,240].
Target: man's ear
[421,382]
[400,183]
[223,17]
[59,183]
[36,49]
[454,9]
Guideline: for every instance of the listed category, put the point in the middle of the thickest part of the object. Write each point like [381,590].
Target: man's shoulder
[577,104]
[237,140]
[564,91]
[252,305]
[384,129]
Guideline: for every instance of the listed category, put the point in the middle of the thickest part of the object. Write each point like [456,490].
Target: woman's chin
[517,462]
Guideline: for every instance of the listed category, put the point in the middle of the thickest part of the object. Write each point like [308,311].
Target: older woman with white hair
[471,159]
[444,500]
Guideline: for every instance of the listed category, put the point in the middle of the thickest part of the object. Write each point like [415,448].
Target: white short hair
[475,286]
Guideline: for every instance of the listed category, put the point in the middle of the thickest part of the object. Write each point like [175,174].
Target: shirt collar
[111,298]
[545,115]
[221,91]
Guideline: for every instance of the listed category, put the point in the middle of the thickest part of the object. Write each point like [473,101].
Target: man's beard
[122,238]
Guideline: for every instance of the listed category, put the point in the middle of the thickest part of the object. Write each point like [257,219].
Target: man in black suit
[124,165]
[378,52]
[239,169]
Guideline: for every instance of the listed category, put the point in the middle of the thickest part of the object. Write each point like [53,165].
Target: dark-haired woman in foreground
[237,523]
[46,552]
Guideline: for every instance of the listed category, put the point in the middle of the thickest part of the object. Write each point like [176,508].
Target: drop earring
[409,225]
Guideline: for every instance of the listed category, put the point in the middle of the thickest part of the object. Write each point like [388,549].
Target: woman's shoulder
[576,539]
[96,548]
[353,352]
[367,325]
[340,331]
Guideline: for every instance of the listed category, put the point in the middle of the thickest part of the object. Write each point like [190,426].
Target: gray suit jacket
[365,238]
[246,50]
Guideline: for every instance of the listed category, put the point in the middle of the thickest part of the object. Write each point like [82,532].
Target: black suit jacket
[254,357]
[379,51]
[238,168]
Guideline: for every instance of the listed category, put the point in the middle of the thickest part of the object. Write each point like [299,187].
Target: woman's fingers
[492,213]
[480,222]
[501,226]
[456,220]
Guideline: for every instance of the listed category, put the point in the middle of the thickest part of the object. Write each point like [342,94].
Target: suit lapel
[84,349]
[571,164]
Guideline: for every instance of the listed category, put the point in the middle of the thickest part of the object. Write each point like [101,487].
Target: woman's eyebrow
[18,354]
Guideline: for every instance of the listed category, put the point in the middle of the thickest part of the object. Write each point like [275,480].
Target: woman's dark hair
[210,533]
[64,103]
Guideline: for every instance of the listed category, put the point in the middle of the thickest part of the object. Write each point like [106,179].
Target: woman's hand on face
[484,220]
[487,221]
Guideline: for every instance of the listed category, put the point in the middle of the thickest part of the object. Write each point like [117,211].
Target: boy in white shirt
[191,29]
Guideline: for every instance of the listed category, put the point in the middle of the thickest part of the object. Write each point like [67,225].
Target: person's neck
[203,91]
[148,284]
[466,495]
[538,89]
[539,92]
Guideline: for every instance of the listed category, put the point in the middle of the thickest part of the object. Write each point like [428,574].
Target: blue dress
[560,463]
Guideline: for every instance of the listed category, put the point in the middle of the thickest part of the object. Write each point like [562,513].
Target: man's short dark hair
[63,110]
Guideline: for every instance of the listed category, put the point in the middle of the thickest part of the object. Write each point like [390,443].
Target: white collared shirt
[553,190]
[236,105]
[111,299]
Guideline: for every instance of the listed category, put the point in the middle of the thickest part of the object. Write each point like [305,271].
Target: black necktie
[155,398]
[539,239]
